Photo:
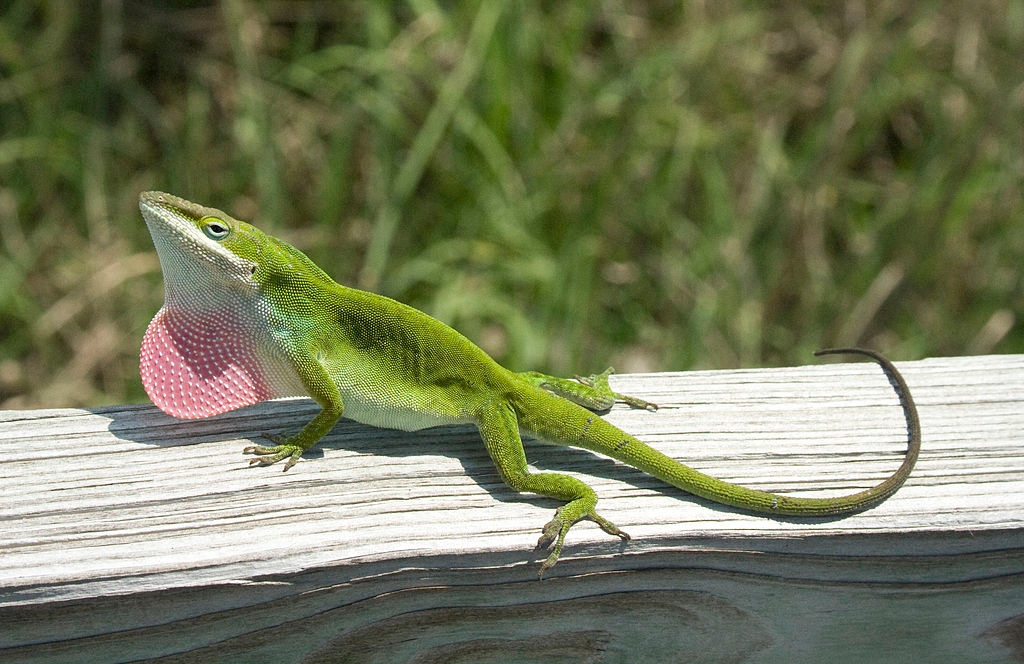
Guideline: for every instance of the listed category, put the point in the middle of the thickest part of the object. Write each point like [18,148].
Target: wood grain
[126,534]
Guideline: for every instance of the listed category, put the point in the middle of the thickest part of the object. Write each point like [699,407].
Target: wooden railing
[126,534]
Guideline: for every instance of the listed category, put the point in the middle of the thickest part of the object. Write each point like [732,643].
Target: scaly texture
[200,364]
[248,317]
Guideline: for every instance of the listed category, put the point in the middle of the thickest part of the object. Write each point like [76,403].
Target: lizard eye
[215,229]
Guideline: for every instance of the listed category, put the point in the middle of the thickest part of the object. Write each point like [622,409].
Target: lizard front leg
[326,393]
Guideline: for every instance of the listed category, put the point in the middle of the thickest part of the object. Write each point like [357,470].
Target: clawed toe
[271,455]
[554,531]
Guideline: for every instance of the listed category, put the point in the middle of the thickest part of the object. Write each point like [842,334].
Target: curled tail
[593,433]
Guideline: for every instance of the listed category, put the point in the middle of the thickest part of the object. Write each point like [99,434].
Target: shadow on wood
[126,534]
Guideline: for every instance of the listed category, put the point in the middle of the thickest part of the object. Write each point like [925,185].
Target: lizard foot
[600,384]
[592,392]
[271,455]
[555,530]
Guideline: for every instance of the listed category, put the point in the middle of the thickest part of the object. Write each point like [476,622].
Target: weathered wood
[126,534]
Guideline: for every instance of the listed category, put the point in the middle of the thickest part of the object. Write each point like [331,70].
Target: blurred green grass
[652,185]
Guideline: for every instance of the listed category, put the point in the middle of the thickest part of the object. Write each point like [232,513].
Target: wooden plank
[126,534]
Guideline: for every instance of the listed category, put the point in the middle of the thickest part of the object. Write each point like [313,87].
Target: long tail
[597,435]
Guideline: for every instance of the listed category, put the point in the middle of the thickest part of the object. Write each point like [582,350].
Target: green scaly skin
[383,363]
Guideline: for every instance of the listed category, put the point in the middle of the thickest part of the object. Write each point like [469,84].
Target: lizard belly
[405,411]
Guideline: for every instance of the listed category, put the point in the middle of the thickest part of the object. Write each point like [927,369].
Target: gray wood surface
[126,534]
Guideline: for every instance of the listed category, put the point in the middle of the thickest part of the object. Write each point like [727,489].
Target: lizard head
[210,348]
[200,248]
[203,249]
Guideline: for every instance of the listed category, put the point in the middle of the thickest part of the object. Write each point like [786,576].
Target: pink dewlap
[197,365]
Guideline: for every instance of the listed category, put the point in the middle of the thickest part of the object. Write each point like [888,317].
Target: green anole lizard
[247,317]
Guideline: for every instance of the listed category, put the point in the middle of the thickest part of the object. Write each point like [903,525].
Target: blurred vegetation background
[652,185]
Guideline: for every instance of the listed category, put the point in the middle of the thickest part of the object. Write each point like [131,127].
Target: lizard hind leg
[592,392]
[566,517]
[500,431]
